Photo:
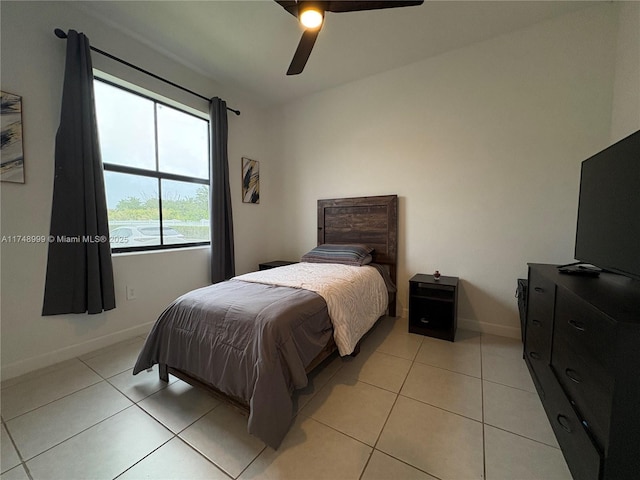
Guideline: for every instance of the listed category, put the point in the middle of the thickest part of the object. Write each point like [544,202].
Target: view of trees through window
[156,171]
[188,209]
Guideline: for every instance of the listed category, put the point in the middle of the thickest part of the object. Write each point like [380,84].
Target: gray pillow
[346,254]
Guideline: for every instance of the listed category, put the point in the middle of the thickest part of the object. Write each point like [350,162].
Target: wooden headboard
[372,221]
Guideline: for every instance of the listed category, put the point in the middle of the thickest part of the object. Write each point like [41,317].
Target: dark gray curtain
[222,262]
[79,271]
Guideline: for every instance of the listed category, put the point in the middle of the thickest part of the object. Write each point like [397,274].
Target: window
[156,162]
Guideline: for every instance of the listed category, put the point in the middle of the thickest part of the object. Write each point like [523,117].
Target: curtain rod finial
[59,33]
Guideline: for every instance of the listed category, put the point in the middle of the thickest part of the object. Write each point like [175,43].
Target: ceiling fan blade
[290,6]
[339,6]
[303,51]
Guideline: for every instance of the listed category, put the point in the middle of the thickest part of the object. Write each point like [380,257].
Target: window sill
[160,251]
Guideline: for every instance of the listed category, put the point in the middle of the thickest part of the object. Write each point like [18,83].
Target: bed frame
[368,220]
[372,221]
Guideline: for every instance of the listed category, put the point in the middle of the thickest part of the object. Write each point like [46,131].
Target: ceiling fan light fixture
[311,17]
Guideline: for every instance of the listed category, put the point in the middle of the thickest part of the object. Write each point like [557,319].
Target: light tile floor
[407,407]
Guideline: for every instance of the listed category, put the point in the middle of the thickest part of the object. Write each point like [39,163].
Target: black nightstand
[433,306]
[274,264]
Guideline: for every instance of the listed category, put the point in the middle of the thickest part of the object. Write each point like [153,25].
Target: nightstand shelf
[433,306]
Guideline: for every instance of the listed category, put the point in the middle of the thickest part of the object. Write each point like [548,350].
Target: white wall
[482,145]
[32,66]
[626,99]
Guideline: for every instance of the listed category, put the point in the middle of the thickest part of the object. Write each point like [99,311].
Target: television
[608,227]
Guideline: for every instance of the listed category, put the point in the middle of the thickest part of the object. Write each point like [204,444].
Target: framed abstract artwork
[250,181]
[11,153]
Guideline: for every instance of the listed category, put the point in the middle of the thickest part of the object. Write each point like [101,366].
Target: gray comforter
[227,335]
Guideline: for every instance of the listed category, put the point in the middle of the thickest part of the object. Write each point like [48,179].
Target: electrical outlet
[131,293]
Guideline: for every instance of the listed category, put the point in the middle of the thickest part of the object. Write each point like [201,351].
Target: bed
[252,340]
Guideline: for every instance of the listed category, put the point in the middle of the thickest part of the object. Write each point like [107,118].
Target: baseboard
[490,328]
[483,327]
[41,361]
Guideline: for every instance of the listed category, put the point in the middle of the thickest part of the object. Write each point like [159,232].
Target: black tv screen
[608,230]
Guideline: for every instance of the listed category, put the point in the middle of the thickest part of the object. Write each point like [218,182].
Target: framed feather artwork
[11,155]
[250,181]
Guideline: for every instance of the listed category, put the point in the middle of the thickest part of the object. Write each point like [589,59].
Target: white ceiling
[249,44]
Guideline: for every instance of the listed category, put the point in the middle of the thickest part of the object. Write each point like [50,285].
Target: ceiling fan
[311,16]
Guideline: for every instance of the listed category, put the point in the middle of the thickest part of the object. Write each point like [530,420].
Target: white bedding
[356,296]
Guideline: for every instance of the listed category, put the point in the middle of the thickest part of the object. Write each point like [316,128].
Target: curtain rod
[61,34]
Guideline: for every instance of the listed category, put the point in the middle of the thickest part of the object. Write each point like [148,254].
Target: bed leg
[392,305]
[163,372]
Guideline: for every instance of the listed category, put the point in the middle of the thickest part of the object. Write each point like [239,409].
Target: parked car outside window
[144,235]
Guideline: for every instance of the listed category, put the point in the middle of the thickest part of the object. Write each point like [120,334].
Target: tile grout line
[407,464]
[398,395]
[78,433]
[484,447]
[60,398]
[436,406]
[131,399]
[41,372]
[509,386]
[174,435]
[441,408]
[316,393]
[218,404]
[343,433]
[133,403]
[35,374]
[22,463]
[136,403]
[523,436]
[484,424]
[395,401]
[177,435]
[219,467]
[366,464]
[147,455]
[449,370]
[245,468]
[98,373]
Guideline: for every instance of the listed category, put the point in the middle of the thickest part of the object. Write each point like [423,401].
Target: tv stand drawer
[572,437]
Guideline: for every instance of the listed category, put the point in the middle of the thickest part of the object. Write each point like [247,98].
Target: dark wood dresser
[582,348]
